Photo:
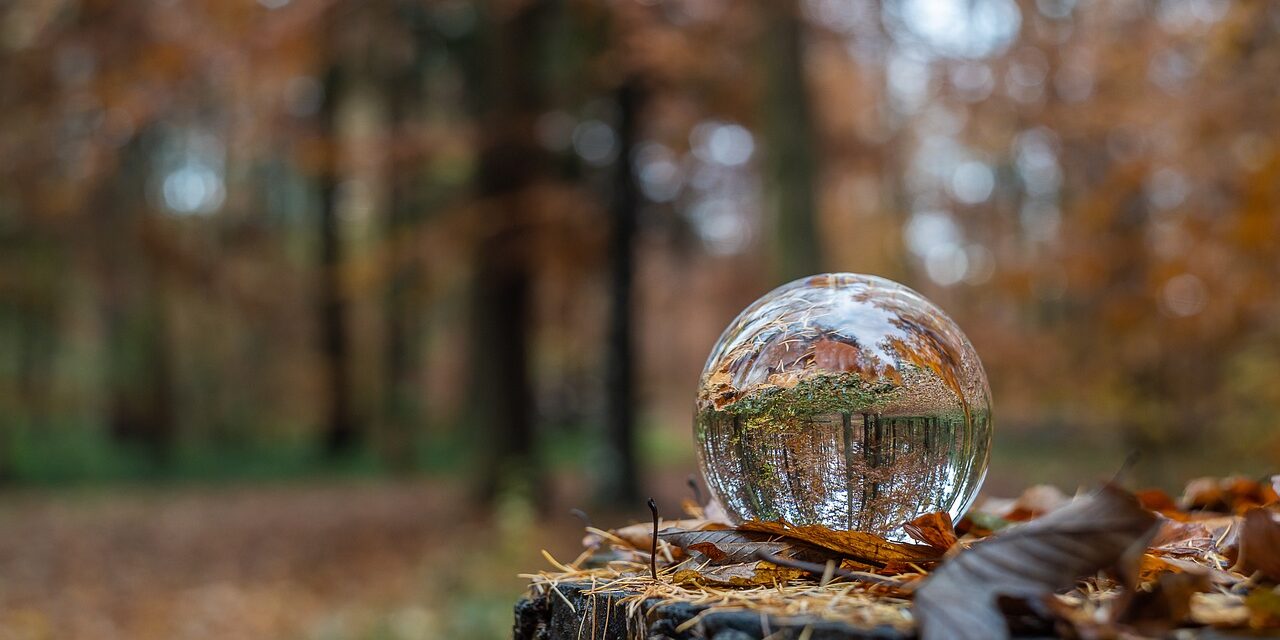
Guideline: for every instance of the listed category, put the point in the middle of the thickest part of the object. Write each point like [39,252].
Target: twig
[653,550]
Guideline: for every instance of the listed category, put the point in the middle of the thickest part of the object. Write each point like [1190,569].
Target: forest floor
[332,560]
[322,559]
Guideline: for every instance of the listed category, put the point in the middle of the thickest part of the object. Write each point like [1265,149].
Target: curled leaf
[640,535]
[958,600]
[933,529]
[858,545]
[1260,544]
[1196,538]
[1160,502]
[728,546]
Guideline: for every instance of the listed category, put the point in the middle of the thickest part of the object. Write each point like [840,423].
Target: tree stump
[576,615]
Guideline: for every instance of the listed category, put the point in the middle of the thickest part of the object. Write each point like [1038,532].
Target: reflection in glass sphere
[843,400]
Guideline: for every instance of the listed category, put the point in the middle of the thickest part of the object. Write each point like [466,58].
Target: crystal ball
[843,400]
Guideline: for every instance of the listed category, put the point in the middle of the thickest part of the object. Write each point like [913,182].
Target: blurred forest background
[308,307]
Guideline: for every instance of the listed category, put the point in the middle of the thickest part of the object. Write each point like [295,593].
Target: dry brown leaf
[640,535]
[1152,566]
[958,600]
[692,509]
[1219,610]
[715,512]
[728,546]
[1235,494]
[1264,608]
[1166,606]
[718,390]
[1194,538]
[712,513]
[1260,544]
[836,356]
[1036,501]
[858,545]
[739,575]
[1204,494]
[784,379]
[933,529]
[1160,502]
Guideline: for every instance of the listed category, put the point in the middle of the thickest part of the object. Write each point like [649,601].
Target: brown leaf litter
[1106,564]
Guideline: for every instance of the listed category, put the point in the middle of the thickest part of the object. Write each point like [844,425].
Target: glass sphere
[843,400]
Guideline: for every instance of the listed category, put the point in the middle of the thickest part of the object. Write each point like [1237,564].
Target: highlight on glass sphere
[843,400]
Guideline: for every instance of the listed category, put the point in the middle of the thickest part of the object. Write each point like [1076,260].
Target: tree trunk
[621,474]
[139,385]
[511,162]
[791,146]
[341,426]
[402,303]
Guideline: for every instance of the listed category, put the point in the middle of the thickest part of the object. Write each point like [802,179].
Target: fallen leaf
[858,545]
[933,529]
[1234,494]
[839,357]
[1194,538]
[1204,494]
[958,600]
[715,512]
[718,390]
[739,575]
[1159,501]
[1036,501]
[1264,608]
[1166,606]
[728,546]
[692,509]
[640,535]
[1152,566]
[1219,610]
[784,379]
[981,525]
[1260,544]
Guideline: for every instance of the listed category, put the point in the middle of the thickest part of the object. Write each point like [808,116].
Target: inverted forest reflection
[847,401]
[482,249]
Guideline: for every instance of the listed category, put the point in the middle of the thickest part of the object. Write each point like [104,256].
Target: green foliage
[814,396]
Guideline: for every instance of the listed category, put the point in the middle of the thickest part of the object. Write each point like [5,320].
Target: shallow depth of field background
[317,316]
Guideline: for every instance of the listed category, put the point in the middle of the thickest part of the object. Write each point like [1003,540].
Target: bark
[341,425]
[402,301]
[511,162]
[791,146]
[139,386]
[576,614]
[621,477]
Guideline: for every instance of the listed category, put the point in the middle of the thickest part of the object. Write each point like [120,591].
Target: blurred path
[326,561]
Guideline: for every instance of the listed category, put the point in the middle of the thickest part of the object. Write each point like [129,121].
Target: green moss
[779,409]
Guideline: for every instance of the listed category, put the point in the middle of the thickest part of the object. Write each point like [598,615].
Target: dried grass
[836,599]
